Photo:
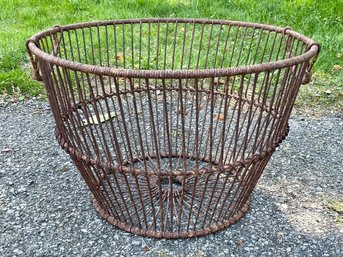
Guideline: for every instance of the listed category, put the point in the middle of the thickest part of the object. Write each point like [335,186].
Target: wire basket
[171,122]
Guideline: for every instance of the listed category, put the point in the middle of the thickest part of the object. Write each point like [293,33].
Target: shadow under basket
[171,122]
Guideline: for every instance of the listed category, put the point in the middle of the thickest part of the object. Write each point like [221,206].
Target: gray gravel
[45,207]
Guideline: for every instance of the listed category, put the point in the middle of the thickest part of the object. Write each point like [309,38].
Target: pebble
[21,189]
[135,242]
[17,251]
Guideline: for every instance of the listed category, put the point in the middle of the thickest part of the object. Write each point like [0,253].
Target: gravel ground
[45,207]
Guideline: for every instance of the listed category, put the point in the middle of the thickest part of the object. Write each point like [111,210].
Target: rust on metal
[171,122]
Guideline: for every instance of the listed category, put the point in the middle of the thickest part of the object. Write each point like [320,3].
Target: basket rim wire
[312,51]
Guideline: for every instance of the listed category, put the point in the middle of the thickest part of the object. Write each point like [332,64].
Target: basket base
[172,235]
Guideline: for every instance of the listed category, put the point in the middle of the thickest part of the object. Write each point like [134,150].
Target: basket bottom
[182,206]
[172,206]
[172,235]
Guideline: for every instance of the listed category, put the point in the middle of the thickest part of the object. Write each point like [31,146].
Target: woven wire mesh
[171,121]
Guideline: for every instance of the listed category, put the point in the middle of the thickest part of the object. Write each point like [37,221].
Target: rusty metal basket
[171,121]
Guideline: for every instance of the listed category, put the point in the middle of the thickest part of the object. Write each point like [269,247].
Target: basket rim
[312,50]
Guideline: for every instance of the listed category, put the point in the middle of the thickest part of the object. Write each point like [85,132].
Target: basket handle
[34,61]
[308,72]
[36,74]
[57,41]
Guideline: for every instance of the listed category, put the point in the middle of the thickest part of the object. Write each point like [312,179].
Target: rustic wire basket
[171,121]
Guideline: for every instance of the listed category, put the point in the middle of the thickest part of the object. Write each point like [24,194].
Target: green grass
[320,20]
[337,206]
